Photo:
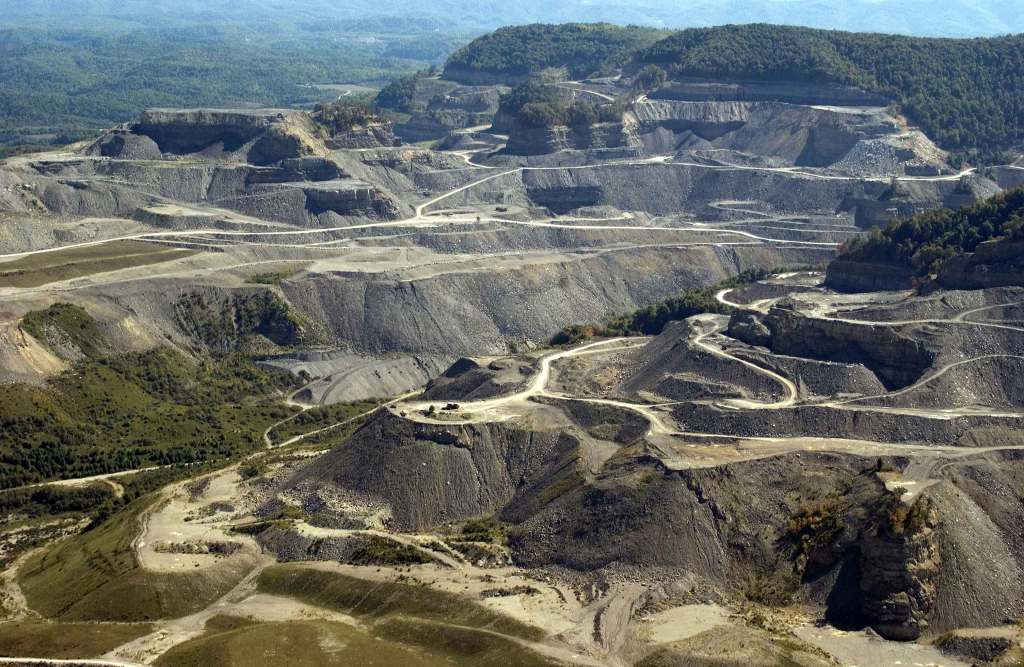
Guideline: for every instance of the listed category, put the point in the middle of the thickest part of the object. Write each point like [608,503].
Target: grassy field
[297,644]
[51,267]
[96,577]
[377,600]
[463,646]
[65,641]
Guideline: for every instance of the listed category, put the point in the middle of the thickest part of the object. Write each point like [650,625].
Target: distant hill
[959,18]
[581,49]
[963,93]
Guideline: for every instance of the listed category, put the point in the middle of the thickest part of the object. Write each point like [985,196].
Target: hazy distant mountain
[917,17]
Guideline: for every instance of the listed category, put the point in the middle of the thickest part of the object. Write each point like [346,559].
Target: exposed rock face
[708,121]
[992,264]
[747,326]
[898,359]
[316,203]
[126,145]
[854,141]
[371,135]
[540,141]
[899,561]
[257,136]
[850,276]
[498,309]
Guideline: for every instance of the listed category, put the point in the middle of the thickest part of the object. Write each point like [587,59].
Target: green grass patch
[376,600]
[96,577]
[50,267]
[50,501]
[226,623]
[66,641]
[486,529]
[270,277]
[465,646]
[294,643]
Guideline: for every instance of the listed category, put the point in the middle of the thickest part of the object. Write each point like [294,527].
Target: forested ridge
[581,49]
[924,242]
[967,94]
[964,93]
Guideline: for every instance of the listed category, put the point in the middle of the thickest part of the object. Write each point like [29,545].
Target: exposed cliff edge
[255,136]
[992,264]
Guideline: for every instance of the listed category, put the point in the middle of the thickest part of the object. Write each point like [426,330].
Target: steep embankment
[498,308]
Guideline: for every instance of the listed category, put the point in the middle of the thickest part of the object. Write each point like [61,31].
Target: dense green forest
[964,93]
[62,86]
[510,54]
[925,241]
[118,411]
[400,94]
[535,104]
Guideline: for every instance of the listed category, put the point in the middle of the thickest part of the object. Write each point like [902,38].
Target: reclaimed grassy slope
[296,643]
[66,641]
[95,576]
[38,270]
[377,600]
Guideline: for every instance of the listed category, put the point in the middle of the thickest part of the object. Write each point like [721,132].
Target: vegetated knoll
[509,55]
[353,125]
[244,321]
[976,246]
[68,330]
[113,412]
[961,92]
[95,576]
[543,119]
